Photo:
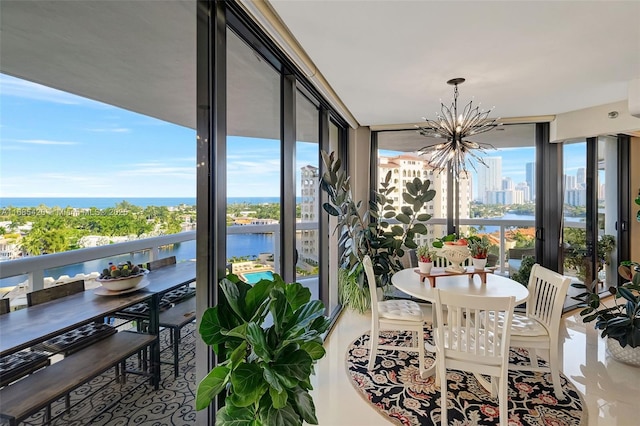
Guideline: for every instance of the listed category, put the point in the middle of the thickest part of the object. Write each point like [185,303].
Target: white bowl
[122,283]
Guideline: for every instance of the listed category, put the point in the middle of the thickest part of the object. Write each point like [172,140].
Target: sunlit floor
[610,388]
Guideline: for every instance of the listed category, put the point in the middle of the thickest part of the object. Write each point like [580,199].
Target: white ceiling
[387,60]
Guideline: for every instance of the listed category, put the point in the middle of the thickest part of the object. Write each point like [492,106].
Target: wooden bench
[37,391]
[175,319]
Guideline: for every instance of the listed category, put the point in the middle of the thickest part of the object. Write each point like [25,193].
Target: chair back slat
[48,294]
[547,289]
[161,263]
[5,306]
[371,281]
[468,338]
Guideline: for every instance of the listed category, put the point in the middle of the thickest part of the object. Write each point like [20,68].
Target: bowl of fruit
[455,251]
[123,276]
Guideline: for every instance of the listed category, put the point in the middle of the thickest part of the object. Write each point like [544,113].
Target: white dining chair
[538,329]
[480,347]
[401,315]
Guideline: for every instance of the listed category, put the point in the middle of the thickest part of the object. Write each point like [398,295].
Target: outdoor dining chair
[479,347]
[400,315]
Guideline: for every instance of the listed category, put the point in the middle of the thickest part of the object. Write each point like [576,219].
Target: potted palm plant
[619,322]
[425,259]
[479,248]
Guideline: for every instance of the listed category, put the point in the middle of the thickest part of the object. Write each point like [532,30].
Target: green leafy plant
[620,321]
[576,255]
[440,242]
[424,254]
[522,276]
[269,336]
[479,247]
[351,294]
[366,228]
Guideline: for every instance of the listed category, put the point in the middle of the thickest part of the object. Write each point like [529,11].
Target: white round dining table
[409,282]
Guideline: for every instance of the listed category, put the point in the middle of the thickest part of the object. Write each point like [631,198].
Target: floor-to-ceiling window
[590,210]
[307,188]
[253,163]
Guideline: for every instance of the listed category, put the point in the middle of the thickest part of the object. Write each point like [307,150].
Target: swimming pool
[254,277]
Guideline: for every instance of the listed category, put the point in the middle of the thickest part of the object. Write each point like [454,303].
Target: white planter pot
[425,267]
[626,355]
[479,263]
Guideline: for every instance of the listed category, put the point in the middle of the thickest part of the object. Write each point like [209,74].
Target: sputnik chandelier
[455,128]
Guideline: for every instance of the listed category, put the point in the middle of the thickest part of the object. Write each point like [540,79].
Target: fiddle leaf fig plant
[376,228]
[270,336]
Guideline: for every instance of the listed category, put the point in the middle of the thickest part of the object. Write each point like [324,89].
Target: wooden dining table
[32,325]
[409,282]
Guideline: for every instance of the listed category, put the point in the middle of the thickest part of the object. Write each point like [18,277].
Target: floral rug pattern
[395,388]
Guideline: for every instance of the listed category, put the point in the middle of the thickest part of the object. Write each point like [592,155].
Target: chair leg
[373,347]
[503,405]
[421,351]
[555,372]
[533,357]
[442,372]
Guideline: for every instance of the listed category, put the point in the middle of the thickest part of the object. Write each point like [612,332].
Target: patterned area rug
[102,402]
[395,388]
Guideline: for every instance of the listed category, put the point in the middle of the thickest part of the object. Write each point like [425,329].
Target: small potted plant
[479,248]
[425,259]
[618,319]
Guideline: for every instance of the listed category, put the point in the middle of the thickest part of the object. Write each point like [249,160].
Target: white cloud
[46,142]
[110,130]
[10,86]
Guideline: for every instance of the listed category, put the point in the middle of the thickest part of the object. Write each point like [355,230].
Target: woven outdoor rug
[394,387]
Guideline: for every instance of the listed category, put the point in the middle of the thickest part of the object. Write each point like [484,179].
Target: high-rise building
[489,178]
[531,180]
[309,186]
[507,183]
[581,178]
[570,182]
[526,191]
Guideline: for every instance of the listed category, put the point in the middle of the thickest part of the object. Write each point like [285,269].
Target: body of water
[238,245]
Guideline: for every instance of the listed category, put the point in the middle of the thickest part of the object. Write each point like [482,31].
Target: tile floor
[610,388]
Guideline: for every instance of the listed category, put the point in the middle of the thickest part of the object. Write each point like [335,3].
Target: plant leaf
[283,416]
[314,349]
[279,399]
[304,406]
[248,384]
[293,363]
[230,415]
[258,341]
[212,384]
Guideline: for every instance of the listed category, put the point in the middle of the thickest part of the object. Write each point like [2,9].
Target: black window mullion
[592,208]
[287,179]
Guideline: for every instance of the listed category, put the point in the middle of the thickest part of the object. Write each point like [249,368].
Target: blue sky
[55,144]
